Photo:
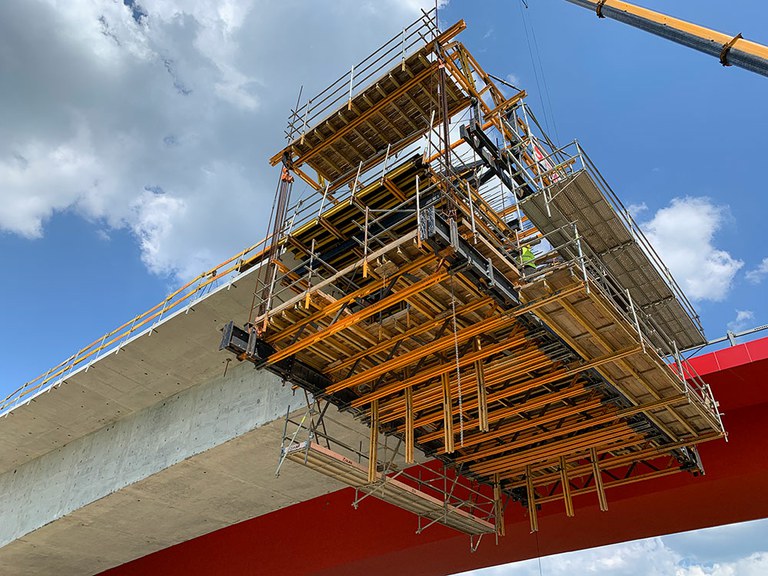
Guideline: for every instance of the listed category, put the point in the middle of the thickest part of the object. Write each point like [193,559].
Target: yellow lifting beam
[730,50]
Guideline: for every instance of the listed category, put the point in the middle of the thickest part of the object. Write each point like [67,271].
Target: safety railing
[396,49]
[625,216]
[650,335]
[186,295]
[550,169]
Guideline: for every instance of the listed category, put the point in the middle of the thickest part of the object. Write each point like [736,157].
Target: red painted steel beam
[327,537]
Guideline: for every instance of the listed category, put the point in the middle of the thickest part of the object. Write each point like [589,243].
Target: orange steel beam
[425,396]
[579,470]
[538,436]
[373,445]
[611,416]
[531,492]
[547,379]
[613,462]
[508,374]
[521,426]
[530,306]
[449,34]
[416,331]
[389,185]
[598,476]
[409,435]
[482,396]
[442,344]
[338,304]
[455,144]
[615,483]
[399,296]
[518,460]
[499,414]
[566,484]
[526,358]
[498,507]
[617,432]
[447,414]
[496,94]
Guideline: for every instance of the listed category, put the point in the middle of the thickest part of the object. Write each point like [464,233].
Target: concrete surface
[149,446]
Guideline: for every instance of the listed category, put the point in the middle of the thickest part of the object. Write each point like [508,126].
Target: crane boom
[731,50]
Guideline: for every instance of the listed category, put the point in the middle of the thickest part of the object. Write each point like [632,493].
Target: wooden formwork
[407,301]
[504,391]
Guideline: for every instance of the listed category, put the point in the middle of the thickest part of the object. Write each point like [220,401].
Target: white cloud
[742,320]
[513,79]
[683,234]
[99,105]
[40,178]
[754,565]
[689,554]
[636,209]
[757,274]
[154,227]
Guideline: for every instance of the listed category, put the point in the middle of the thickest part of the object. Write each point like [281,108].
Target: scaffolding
[400,290]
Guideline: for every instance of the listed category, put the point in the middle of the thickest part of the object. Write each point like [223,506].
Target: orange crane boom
[730,50]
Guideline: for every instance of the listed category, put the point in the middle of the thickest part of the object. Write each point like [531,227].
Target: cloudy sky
[734,550]
[134,137]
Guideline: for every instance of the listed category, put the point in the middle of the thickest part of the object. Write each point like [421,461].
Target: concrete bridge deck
[336,540]
[161,456]
[156,442]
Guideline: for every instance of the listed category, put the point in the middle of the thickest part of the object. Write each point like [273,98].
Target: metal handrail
[626,218]
[229,269]
[351,83]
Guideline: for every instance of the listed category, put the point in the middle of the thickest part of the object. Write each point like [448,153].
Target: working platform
[339,139]
[602,221]
[409,291]
[390,489]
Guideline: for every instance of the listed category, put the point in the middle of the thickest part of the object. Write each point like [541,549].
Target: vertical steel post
[637,323]
[304,127]
[418,214]
[447,413]
[581,257]
[402,65]
[482,395]
[322,202]
[599,487]
[309,275]
[386,158]
[409,436]
[566,487]
[373,444]
[365,245]
[472,212]
[351,83]
[498,506]
[531,493]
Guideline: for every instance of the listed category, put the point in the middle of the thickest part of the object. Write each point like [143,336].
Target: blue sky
[733,550]
[134,138]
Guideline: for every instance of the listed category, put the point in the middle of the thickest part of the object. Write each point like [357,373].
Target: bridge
[393,377]
[161,456]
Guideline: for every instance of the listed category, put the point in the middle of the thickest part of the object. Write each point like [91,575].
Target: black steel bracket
[441,234]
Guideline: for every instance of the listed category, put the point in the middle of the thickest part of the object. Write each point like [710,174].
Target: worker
[528,259]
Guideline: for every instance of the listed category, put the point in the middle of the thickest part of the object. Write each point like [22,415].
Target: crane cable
[538,70]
